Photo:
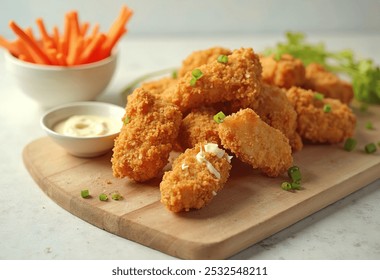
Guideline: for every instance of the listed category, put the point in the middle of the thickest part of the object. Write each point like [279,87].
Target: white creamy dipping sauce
[88,126]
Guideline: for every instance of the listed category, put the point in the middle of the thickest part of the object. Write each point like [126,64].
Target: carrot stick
[66,34]
[83,29]
[95,44]
[9,46]
[52,54]
[116,29]
[24,51]
[73,56]
[56,37]
[61,59]
[38,54]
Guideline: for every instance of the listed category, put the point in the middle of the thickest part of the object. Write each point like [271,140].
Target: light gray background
[203,17]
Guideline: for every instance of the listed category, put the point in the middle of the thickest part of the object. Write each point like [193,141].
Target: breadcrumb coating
[198,126]
[274,108]
[142,148]
[239,78]
[256,143]
[160,88]
[190,184]
[200,57]
[317,126]
[320,80]
[285,72]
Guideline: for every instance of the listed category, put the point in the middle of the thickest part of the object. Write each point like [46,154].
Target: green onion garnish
[319,96]
[327,108]
[369,125]
[296,185]
[103,197]
[116,196]
[350,144]
[126,120]
[84,193]
[370,148]
[222,59]
[175,74]
[294,173]
[286,186]
[219,117]
[196,75]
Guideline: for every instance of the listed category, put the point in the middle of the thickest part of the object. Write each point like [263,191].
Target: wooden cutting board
[250,208]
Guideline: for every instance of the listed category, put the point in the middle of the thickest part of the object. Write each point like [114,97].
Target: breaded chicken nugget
[275,109]
[197,175]
[142,148]
[256,143]
[320,80]
[198,126]
[198,58]
[285,72]
[160,87]
[239,78]
[321,121]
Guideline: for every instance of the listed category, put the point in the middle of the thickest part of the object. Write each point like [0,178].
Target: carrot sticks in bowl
[73,46]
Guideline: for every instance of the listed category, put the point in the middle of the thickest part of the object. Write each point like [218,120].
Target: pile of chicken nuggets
[222,104]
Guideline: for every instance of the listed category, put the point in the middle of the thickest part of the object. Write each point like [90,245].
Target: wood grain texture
[250,208]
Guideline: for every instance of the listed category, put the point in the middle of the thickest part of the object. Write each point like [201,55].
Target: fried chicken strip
[274,108]
[317,125]
[284,72]
[239,78]
[320,80]
[200,57]
[197,175]
[142,148]
[198,126]
[256,143]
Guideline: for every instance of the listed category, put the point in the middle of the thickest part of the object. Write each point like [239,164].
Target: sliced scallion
[349,144]
[319,96]
[327,108]
[222,59]
[370,148]
[103,197]
[219,117]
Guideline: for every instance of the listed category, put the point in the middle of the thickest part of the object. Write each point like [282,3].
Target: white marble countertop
[34,227]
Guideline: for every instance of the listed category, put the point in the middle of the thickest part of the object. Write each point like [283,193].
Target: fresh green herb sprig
[364,74]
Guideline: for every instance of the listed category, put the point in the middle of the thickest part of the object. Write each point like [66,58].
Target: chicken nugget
[324,120]
[274,108]
[256,143]
[284,72]
[320,80]
[198,126]
[150,128]
[160,88]
[201,57]
[238,78]
[197,175]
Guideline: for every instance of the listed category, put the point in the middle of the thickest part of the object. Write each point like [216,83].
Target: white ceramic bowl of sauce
[84,129]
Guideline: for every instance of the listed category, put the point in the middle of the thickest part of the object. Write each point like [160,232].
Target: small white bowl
[82,146]
[56,85]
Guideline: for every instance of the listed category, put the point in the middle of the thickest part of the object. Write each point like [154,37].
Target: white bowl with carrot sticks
[60,67]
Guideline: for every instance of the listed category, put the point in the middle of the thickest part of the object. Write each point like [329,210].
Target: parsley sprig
[364,74]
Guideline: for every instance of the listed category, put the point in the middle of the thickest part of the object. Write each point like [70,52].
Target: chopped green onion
[296,185]
[116,196]
[196,73]
[327,108]
[126,120]
[222,59]
[175,74]
[370,148]
[193,81]
[219,117]
[369,125]
[350,144]
[294,173]
[84,193]
[319,96]
[286,186]
[103,197]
